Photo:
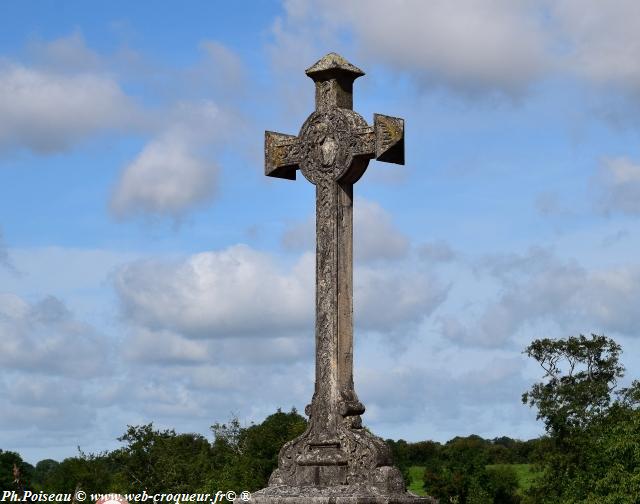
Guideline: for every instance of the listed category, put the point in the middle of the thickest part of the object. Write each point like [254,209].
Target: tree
[9,460]
[245,457]
[401,457]
[503,484]
[593,450]
[162,461]
[92,473]
[581,373]
[43,473]
[461,474]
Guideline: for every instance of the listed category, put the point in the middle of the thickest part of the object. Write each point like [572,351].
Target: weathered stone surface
[351,494]
[333,62]
[333,495]
[335,458]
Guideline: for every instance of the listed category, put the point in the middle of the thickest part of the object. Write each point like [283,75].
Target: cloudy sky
[150,272]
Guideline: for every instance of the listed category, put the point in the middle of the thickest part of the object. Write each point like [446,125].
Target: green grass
[525,472]
[416,473]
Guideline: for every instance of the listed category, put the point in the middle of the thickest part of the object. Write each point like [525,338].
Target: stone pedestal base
[331,495]
[394,499]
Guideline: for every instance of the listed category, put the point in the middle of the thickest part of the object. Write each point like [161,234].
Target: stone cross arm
[384,142]
[334,135]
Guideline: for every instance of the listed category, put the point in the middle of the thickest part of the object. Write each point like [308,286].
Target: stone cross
[332,151]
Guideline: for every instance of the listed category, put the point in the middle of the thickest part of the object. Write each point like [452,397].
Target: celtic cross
[332,151]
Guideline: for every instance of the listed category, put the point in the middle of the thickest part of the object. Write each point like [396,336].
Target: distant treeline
[239,458]
[500,450]
[470,469]
[163,461]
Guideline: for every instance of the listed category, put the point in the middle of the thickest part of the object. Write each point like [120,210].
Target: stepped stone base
[331,495]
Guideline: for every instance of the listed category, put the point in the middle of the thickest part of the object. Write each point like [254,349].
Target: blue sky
[150,272]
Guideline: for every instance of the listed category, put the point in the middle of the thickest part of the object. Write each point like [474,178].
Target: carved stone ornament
[335,460]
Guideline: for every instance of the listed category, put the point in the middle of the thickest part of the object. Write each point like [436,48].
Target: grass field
[525,473]
[416,473]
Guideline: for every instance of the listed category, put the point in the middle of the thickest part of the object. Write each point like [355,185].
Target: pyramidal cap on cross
[332,151]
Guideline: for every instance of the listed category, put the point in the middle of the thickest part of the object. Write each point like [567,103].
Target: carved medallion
[326,138]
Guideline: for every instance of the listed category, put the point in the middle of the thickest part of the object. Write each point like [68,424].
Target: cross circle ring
[327,139]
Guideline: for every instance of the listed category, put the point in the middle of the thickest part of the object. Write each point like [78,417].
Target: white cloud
[388,298]
[618,185]
[300,235]
[50,404]
[533,286]
[470,46]
[601,40]
[537,289]
[232,330]
[221,71]
[177,170]
[77,275]
[165,178]
[169,348]
[375,236]
[492,45]
[45,338]
[45,111]
[5,260]
[390,288]
[69,93]
[164,347]
[65,54]
[437,252]
[296,42]
[447,398]
[242,292]
[219,294]
[549,204]
[612,300]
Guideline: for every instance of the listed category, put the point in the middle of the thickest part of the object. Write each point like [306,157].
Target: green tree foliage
[245,457]
[461,474]
[43,473]
[593,446]
[7,461]
[91,473]
[580,375]
[242,458]
[503,484]
[161,460]
[401,457]
[462,468]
